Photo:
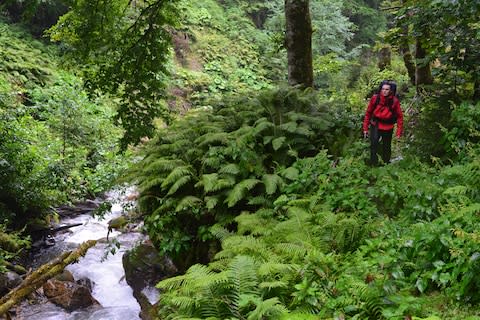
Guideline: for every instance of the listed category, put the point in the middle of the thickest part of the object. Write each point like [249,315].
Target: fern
[208,182]
[270,308]
[212,138]
[240,190]
[231,168]
[178,184]
[272,182]
[211,202]
[175,174]
[187,202]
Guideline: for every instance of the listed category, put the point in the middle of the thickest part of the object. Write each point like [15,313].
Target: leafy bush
[211,165]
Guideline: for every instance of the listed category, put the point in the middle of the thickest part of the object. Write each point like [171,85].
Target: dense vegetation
[266,185]
[58,146]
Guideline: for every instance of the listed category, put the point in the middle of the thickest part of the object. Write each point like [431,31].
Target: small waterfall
[105,271]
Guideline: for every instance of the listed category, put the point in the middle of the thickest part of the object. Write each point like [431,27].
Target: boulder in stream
[144,268]
[68,295]
[8,281]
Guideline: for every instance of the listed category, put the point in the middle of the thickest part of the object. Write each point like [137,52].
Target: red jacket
[382,111]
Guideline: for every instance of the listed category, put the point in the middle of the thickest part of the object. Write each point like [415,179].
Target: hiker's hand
[365,134]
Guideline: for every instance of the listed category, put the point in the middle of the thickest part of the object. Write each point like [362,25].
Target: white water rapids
[107,275]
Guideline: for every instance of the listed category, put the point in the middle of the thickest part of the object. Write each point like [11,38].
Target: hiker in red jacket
[382,113]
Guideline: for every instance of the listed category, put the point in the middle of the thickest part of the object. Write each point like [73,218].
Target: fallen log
[37,278]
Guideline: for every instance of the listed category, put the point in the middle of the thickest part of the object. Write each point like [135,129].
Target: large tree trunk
[407,56]
[299,42]
[423,72]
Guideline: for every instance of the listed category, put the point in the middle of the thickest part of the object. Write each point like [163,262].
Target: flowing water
[107,275]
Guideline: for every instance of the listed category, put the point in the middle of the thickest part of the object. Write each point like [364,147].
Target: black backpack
[393,88]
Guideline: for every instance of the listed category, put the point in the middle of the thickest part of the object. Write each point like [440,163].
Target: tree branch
[37,278]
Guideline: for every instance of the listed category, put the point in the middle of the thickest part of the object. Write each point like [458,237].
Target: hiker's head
[390,85]
[386,90]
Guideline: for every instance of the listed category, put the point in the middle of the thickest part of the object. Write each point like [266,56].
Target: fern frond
[259,201]
[211,202]
[243,277]
[212,138]
[245,245]
[290,126]
[231,168]
[271,309]
[239,191]
[220,232]
[254,224]
[162,165]
[176,174]
[272,182]
[178,184]
[207,181]
[296,251]
[149,183]
[187,202]
[262,125]
[270,269]
[277,143]
[291,173]
[212,162]
[269,285]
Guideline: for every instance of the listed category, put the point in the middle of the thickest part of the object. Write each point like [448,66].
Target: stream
[105,271]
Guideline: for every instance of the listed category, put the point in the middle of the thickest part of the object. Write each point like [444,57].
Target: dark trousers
[380,141]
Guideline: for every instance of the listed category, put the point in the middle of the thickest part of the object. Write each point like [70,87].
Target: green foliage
[455,48]
[110,36]
[57,144]
[463,131]
[209,166]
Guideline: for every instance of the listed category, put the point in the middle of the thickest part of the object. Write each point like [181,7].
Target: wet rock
[145,267]
[8,281]
[65,276]
[68,295]
[86,283]
[85,207]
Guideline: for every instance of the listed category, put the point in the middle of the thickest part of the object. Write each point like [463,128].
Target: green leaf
[272,182]
[278,142]
[290,173]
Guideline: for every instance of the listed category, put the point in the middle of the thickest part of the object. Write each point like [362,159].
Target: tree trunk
[298,41]
[423,72]
[407,56]
[47,271]
[384,58]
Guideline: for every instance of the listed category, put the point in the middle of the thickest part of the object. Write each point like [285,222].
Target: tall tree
[126,46]
[298,41]
[443,31]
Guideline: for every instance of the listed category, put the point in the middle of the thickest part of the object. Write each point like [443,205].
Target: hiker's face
[385,90]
